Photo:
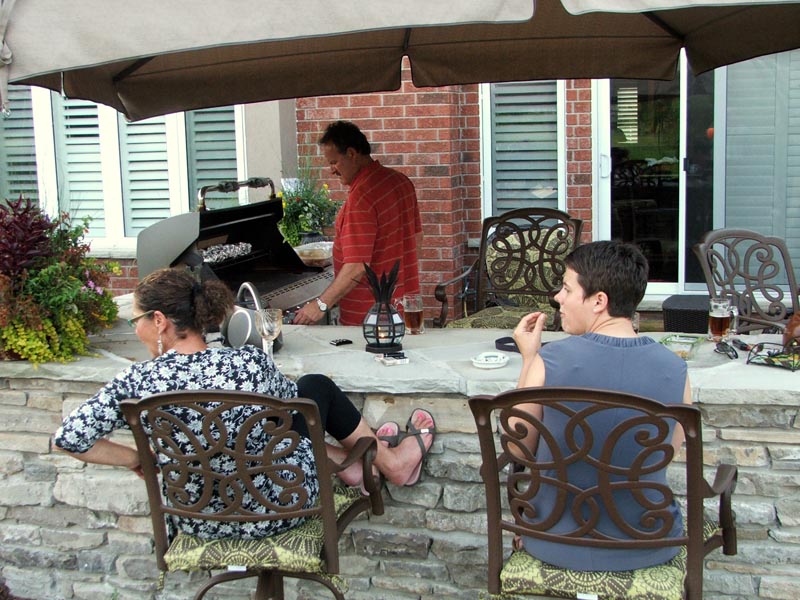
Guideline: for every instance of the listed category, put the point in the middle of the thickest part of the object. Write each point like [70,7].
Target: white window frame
[487,143]
[601,183]
[115,244]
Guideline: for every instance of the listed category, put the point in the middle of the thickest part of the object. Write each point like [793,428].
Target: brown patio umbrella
[133,56]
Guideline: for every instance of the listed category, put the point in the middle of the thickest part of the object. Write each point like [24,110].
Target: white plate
[490,360]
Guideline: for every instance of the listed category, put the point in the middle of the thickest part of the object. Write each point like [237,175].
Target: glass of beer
[721,319]
[413,314]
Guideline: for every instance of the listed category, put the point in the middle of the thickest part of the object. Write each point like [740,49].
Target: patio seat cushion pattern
[500,317]
[525,575]
[297,550]
[509,309]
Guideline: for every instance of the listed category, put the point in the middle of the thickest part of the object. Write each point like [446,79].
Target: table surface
[440,361]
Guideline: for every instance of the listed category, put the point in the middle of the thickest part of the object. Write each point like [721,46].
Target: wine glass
[268,324]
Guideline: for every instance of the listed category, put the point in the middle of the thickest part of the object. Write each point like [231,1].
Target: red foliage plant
[24,236]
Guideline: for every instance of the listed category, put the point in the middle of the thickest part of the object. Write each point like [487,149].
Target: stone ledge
[775,436]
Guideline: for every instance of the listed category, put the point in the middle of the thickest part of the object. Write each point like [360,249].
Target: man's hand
[528,334]
[308,315]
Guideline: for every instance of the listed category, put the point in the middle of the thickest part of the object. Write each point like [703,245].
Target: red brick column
[433,136]
[579,153]
[125,282]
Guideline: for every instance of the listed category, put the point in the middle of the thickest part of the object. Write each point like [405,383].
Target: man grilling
[378,224]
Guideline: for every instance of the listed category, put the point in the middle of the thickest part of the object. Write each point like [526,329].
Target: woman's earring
[160,345]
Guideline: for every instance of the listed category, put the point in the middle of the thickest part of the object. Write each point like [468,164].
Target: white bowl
[490,360]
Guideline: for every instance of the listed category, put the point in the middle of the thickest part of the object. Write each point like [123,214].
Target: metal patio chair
[753,269]
[519,268]
[218,478]
[594,422]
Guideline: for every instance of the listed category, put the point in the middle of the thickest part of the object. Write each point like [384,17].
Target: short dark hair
[191,306]
[620,270]
[344,135]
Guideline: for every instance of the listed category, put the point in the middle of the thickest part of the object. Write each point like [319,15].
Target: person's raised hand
[528,333]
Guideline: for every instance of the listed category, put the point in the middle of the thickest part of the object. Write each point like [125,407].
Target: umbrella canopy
[153,57]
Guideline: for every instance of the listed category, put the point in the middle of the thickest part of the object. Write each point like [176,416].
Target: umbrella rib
[661,24]
[131,69]
[406,40]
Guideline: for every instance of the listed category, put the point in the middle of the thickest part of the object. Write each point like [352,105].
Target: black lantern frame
[383,329]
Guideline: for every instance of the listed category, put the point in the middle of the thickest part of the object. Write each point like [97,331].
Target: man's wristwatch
[322,306]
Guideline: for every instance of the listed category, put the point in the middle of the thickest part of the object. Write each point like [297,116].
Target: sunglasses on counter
[726,349]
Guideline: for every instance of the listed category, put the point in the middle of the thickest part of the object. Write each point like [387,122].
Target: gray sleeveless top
[633,365]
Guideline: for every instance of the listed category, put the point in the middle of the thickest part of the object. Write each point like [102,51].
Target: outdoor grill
[236,245]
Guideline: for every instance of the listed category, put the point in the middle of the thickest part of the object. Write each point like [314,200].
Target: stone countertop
[440,363]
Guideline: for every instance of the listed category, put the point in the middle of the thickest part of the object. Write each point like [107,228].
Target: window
[17,148]
[211,146]
[85,159]
[523,145]
[762,148]
[78,170]
[143,152]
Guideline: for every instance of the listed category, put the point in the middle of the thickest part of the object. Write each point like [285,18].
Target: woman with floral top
[171,313]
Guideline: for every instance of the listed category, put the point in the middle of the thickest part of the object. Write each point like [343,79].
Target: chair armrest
[724,480]
[723,486]
[364,450]
[440,293]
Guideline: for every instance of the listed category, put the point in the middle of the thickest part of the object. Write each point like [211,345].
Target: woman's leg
[343,421]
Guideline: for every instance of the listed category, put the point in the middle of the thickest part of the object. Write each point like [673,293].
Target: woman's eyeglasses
[726,349]
[132,320]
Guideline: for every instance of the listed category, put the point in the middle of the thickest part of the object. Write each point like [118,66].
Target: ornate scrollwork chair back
[754,269]
[599,430]
[519,268]
[220,479]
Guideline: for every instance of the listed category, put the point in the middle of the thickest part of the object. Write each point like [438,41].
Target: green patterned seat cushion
[296,550]
[506,256]
[525,575]
[500,317]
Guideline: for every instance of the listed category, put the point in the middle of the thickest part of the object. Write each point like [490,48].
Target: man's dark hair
[344,135]
[620,270]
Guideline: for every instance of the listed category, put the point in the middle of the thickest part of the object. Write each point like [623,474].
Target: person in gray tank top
[603,284]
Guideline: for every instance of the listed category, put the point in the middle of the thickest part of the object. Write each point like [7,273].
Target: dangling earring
[160,345]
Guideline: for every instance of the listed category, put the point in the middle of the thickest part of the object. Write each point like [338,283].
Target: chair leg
[270,586]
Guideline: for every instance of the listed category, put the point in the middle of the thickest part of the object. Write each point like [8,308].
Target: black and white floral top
[247,368]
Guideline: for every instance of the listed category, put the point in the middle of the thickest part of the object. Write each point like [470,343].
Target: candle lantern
[383,326]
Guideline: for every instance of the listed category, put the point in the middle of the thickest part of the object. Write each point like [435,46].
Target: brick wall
[126,281]
[579,153]
[433,136]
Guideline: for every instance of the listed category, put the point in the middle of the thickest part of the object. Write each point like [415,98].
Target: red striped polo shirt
[377,225]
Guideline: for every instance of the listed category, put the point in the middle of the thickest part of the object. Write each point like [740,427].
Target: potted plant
[52,295]
[307,207]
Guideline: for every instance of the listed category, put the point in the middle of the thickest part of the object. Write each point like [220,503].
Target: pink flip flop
[411,430]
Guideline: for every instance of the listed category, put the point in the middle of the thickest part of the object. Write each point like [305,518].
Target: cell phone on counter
[341,342]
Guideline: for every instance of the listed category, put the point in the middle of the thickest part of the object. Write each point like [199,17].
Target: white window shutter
[211,151]
[17,149]
[145,174]
[762,179]
[525,145]
[78,168]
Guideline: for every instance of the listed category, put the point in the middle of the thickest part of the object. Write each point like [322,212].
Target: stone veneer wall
[70,531]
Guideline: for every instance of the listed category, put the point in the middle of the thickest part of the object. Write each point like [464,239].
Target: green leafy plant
[52,294]
[307,206]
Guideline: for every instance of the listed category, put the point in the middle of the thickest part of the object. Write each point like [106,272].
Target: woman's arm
[528,337]
[679,435]
[106,452]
